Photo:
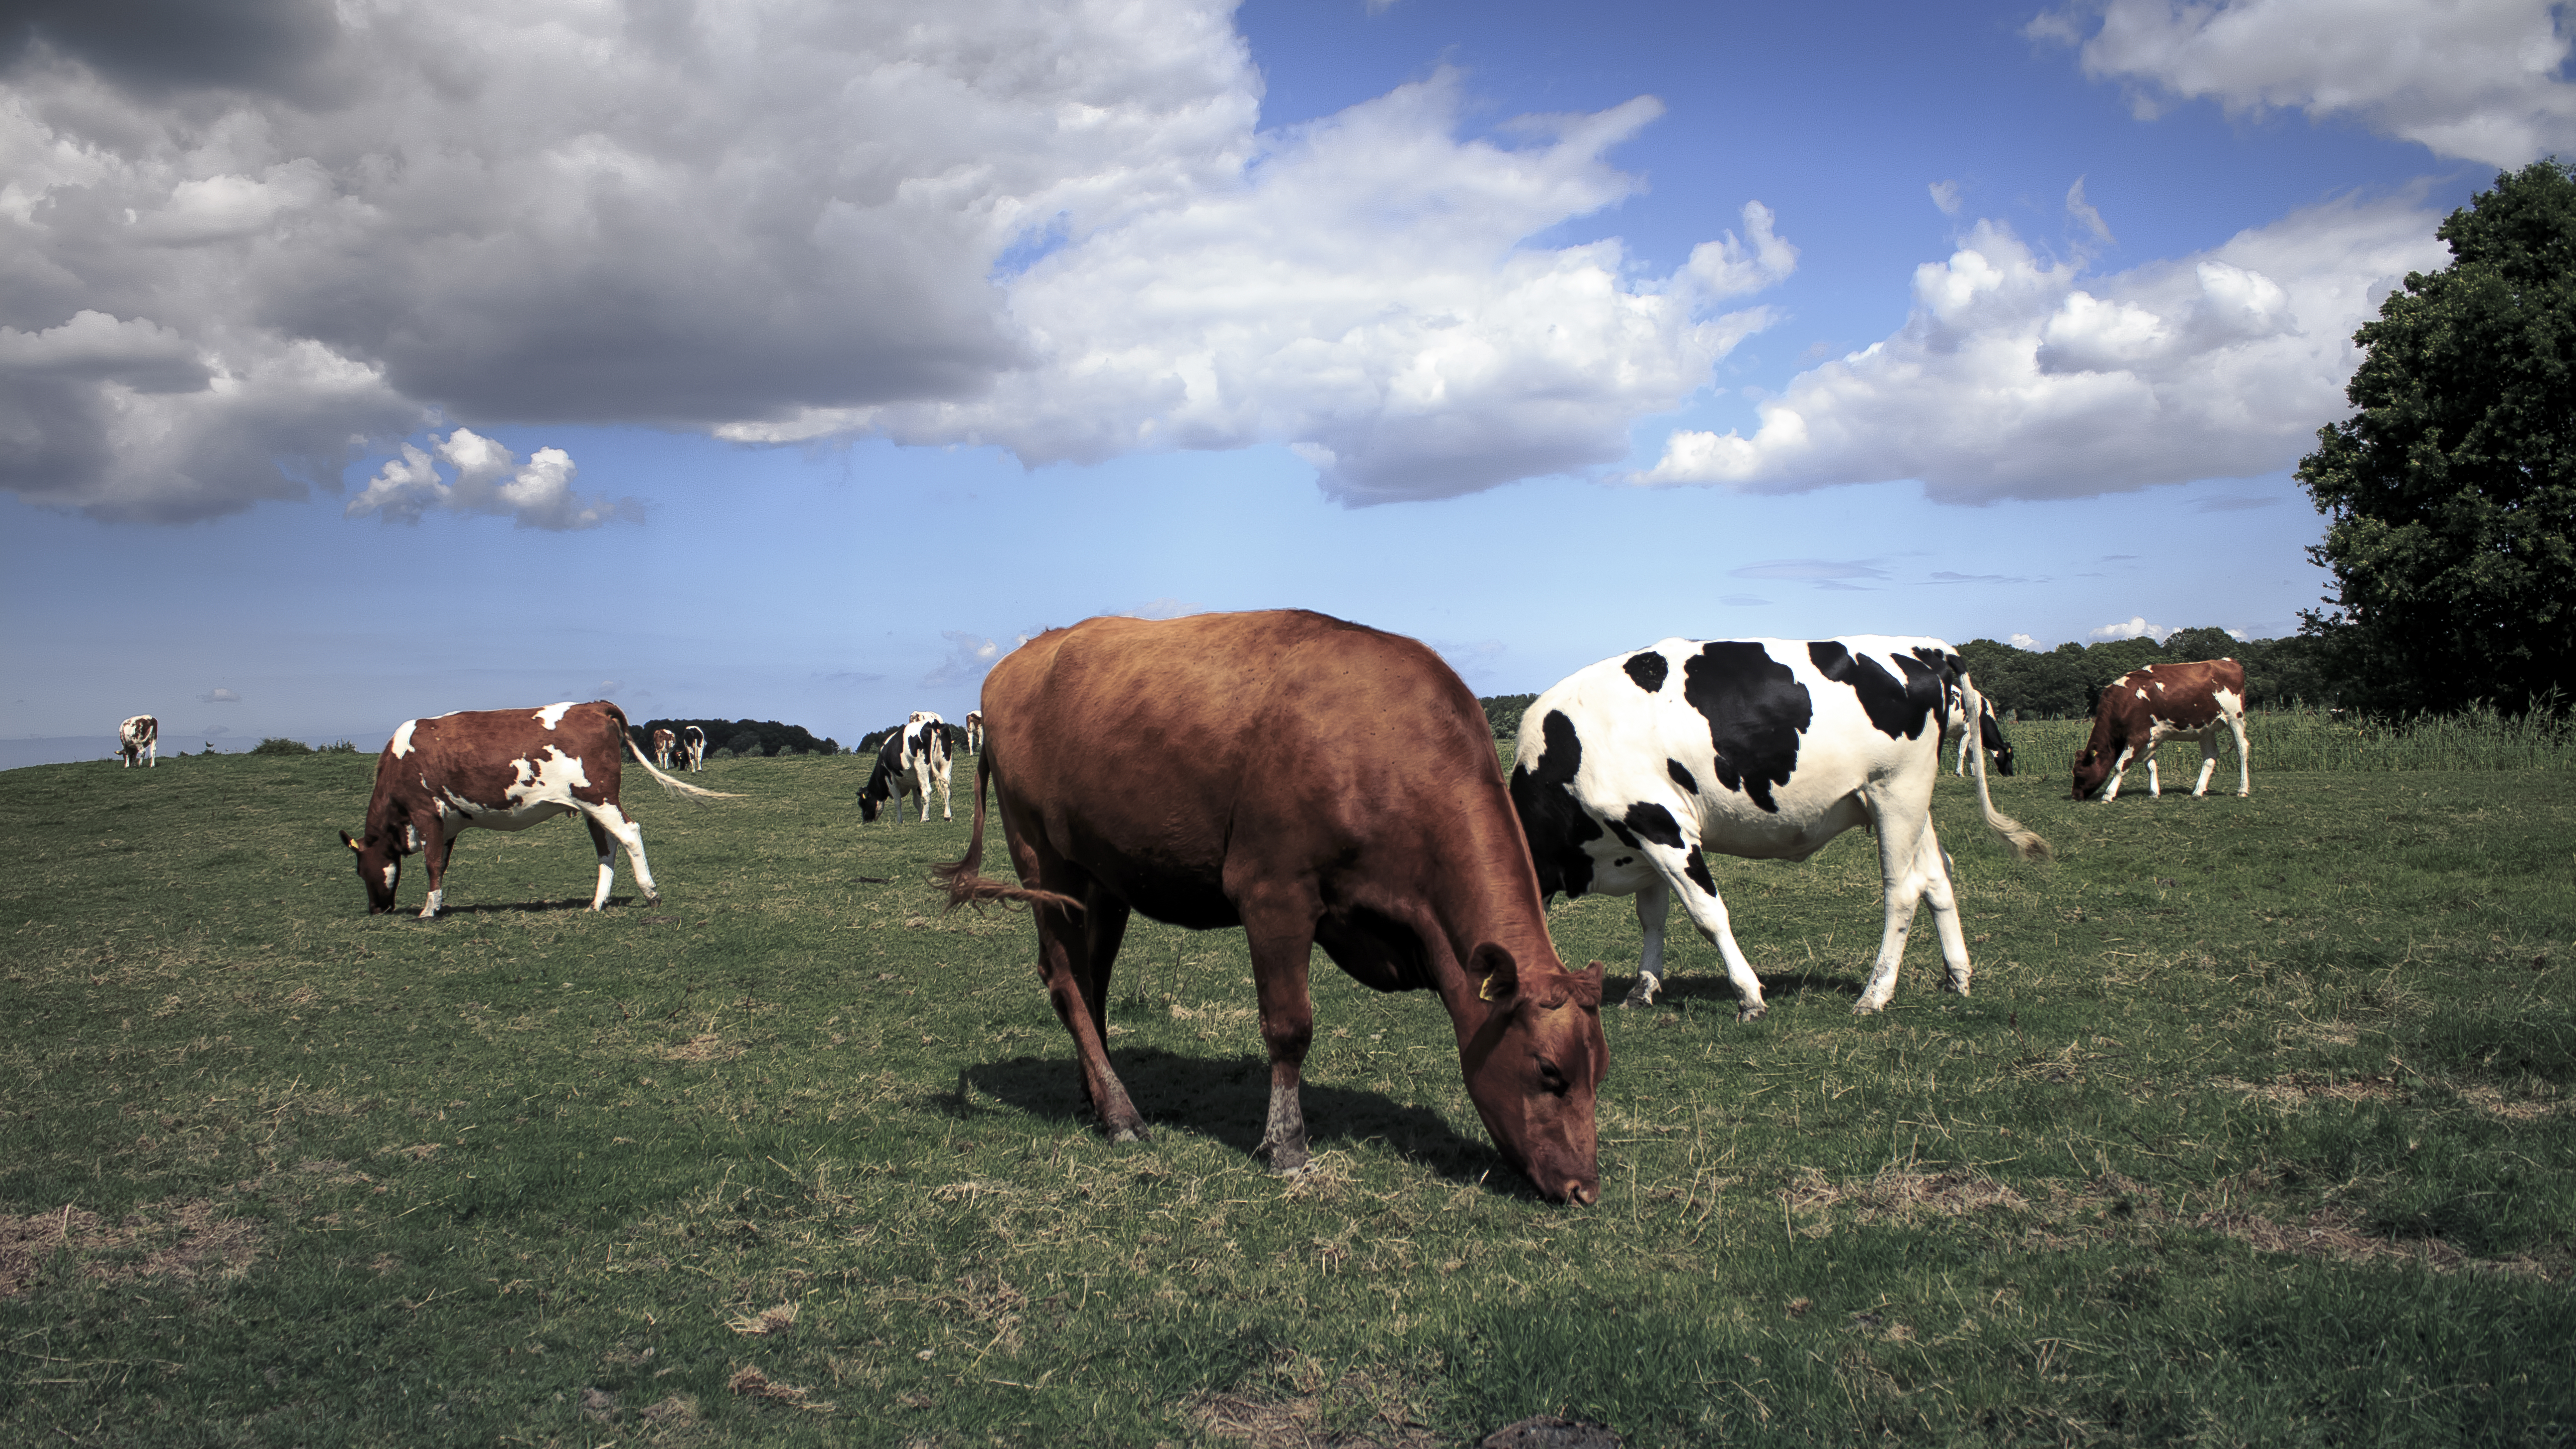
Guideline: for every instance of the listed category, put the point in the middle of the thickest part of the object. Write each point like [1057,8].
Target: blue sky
[794,360]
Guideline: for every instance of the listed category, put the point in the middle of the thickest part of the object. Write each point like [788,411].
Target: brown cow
[1246,769]
[502,769]
[2144,707]
[663,743]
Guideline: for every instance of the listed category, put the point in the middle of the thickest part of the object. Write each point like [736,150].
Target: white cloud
[2083,212]
[2478,79]
[235,257]
[970,658]
[2022,641]
[2136,628]
[219,695]
[1945,195]
[2017,377]
[489,479]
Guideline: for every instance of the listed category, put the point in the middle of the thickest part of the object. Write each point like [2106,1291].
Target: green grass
[2302,741]
[2257,1130]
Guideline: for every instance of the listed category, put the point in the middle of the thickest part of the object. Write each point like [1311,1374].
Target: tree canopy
[2452,492]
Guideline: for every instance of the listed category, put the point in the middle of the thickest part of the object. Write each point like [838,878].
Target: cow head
[2092,767]
[379,868]
[872,798]
[2003,761]
[1534,1067]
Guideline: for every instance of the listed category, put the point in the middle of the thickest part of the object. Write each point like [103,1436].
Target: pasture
[2257,1130]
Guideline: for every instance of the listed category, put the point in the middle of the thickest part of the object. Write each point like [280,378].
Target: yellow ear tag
[1486,991]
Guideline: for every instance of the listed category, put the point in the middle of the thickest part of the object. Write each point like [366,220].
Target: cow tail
[2025,841]
[626,732]
[964,879]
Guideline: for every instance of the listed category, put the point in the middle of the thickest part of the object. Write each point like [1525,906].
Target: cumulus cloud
[536,493]
[2022,641]
[235,257]
[2136,628]
[1945,195]
[2020,377]
[2481,80]
[219,695]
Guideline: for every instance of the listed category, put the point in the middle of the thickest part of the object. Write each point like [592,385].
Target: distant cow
[910,761]
[1988,736]
[501,769]
[1237,769]
[2145,707]
[693,743]
[663,743]
[974,732]
[139,738]
[1762,748]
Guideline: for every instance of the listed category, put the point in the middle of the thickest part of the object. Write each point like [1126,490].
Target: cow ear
[1587,986]
[352,844]
[1501,974]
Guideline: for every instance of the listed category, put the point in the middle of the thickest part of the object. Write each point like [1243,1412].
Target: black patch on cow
[1991,736]
[1648,668]
[1654,822]
[1755,708]
[1626,836]
[1555,824]
[1898,709]
[1623,860]
[1681,776]
[1697,869]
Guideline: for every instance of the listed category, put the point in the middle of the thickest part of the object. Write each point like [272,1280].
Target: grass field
[2257,1130]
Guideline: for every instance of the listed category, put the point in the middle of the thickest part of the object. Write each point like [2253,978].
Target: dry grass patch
[1373,1413]
[182,1243]
[1896,1195]
[704,1047]
[2298,1090]
[751,1383]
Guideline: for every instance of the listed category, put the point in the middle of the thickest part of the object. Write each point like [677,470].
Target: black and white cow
[908,763]
[1761,748]
[1988,736]
[693,743]
[139,738]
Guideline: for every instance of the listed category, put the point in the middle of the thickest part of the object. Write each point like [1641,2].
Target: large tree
[2452,492]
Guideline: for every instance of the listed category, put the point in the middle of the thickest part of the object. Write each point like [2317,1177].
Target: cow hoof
[1755,1012]
[1129,1134]
[1285,1160]
[1643,993]
[1863,1008]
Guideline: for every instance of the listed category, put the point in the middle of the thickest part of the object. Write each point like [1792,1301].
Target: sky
[365,359]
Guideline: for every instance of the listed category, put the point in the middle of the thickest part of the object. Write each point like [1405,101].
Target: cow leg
[1281,932]
[1654,907]
[2244,771]
[944,812]
[2153,793]
[606,845]
[1941,893]
[1909,860]
[2120,771]
[1065,952]
[1686,876]
[434,845]
[2208,760]
[609,823]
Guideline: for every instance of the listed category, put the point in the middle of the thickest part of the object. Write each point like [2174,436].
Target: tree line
[744,736]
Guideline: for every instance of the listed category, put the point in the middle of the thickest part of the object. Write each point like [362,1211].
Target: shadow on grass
[1714,992]
[1227,1099]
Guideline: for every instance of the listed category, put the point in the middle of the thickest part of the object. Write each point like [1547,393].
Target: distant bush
[339,747]
[280,745]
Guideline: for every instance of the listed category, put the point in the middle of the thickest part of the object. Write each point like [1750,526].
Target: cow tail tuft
[2025,841]
[670,786]
[964,879]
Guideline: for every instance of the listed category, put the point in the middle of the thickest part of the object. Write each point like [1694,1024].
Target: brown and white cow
[2145,707]
[1243,770]
[974,732]
[139,738]
[663,743]
[501,769]
[693,743]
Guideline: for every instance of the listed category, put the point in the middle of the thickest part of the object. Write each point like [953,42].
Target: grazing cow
[501,769]
[1988,736]
[139,738]
[663,743]
[1233,769]
[2145,707]
[1762,748]
[908,763]
[974,732]
[693,743]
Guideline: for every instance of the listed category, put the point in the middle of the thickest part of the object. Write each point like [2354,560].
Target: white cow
[140,738]
[1761,748]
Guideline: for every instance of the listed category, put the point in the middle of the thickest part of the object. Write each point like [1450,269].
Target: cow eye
[1552,1079]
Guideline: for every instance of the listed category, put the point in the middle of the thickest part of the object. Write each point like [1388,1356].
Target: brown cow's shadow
[577,903]
[1227,1098]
